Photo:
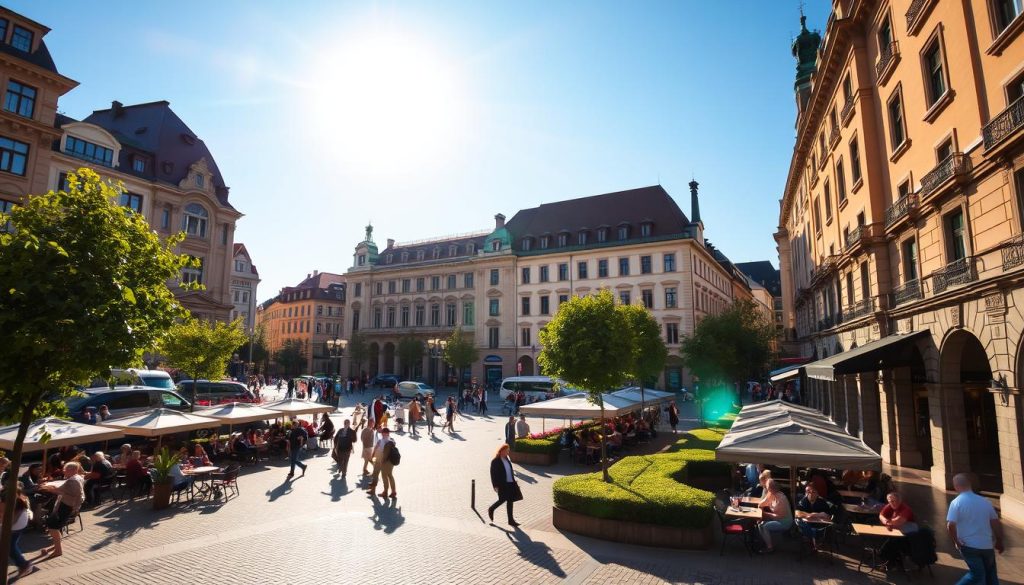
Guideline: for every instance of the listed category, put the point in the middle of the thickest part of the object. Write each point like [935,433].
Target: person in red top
[897,515]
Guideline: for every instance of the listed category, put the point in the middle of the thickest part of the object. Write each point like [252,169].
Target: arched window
[496,246]
[194,220]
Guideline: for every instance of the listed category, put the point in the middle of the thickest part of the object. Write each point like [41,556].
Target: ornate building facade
[311,313]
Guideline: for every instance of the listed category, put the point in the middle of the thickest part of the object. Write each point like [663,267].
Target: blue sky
[429,118]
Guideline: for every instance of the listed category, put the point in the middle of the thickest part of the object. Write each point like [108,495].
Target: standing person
[343,441]
[296,439]
[376,458]
[522,427]
[414,415]
[430,411]
[503,480]
[449,416]
[366,439]
[483,400]
[510,433]
[673,416]
[975,531]
[70,497]
[291,388]
[385,464]
[22,516]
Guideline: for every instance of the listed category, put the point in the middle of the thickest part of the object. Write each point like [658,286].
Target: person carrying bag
[503,480]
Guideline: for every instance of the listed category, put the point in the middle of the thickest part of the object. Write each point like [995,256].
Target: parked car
[409,389]
[125,400]
[136,377]
[385,380]
[209,393]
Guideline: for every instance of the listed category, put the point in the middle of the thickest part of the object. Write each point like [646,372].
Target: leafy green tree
[649,352]
[357,351]
[589,344]
[84,289]
[202,349]
[258,344]
[410,350]
[291,357]
[461,353]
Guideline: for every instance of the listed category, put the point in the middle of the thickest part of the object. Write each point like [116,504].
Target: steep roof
[320,280]
[763,273]
[634,207]
[442,245]
[155,129]
[240,248]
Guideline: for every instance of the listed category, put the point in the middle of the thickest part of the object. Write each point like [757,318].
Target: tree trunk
[195,379]
[11,489]
[604,452]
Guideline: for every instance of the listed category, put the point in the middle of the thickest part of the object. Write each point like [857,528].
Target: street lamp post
[436,346]
[336,348]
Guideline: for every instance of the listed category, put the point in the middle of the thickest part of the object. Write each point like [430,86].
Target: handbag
[517,494]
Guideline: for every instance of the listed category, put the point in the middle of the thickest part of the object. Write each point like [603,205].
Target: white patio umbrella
[293,406]
[161,421]
[62,433]
[236,413]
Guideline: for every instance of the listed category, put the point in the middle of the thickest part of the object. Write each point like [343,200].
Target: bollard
[472,494]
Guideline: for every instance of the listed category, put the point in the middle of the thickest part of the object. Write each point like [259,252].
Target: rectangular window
[897,131]
[581,270]
[647,296]
[544,242]
[225,230]
[451,282]
[817,216]
[944,151]
[563,271]
[645,265]
[562,299]
[865,282]
[602,269]
[420,284]
[131,201]
[849,289]
[435,283]
[139,164]
[623,232]
[545,305]
[563,240]
[582,238]
[625,297]
[20,99]
[1015,89]
[524,338]
[623,266]
[193,274]
[21,39]
[450,313]
[355,320]
[419,315]
[391,316]
[543,273]
[909,260]
[494,307]
[359,289]
[494,277]
[1006,11]
[668,262]
[493,337]
[955,248]
[392,287]
[526,275]
[935,78]
[671,298]
[854,161]
[13,156]
[840,182]
[884,35]
[79,148]
[526,306]
[405,315]
[435,315]
[828,202]
[3,30]
[602,235]
[320,310]
[468,313]
[671,333]
[847,87]
[467,280]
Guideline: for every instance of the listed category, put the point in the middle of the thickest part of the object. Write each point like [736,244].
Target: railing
[1006,123]
[826,323]
[957,272]
[910,291]
[860,309]
[885,59]
[901,208]
[915,9]
[955,164]
[847,108]
[854,237]
[1013,253]
[834,135]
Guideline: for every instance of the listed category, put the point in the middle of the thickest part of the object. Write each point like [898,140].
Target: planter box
[633,532]
[533,458]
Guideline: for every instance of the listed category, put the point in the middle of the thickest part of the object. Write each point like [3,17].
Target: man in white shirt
[975,530]
[522,428]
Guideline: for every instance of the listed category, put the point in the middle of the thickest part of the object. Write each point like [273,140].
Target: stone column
[908,451]
[851,390]
[1011,440]
[869,407]
[949,433]
[887,416]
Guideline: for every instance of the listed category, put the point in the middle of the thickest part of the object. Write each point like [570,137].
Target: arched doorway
[373,361]
[965,361]
[525,366]
[389,358]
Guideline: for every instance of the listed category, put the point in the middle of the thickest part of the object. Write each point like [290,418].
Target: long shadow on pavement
[387,515]
[537,553]
[284,488]
[339,487]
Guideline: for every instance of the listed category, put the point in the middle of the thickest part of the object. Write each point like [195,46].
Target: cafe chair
[735,528]
[226,480]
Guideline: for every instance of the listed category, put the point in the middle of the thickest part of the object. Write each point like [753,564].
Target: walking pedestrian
[22,517]
[449,416]
[430,412]
[343,441]
[366,439]
[378,460]
[483,400]
[673,416]
[297,437]
[414,415]
[974,527]
[503,480]
[386,462]
[510,432]
[291,388]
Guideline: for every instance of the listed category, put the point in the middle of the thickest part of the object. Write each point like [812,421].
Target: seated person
[882,488]
[810,509]
[758,491]
[102,472]
[326,427]
[136,475]
[824,485]
[199,456]
[897,515]
[31,479]
[775,513]
[179,481]
[122,457]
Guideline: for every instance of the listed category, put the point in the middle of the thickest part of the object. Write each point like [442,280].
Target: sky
[428,118]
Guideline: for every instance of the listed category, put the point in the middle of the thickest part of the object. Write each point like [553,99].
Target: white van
[135,377]
[536,387]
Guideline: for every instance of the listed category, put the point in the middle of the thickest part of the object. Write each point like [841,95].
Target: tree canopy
[460,352]
[731,346]
[357,351]
[291,357]
[85,288]
[410,350]
[649,352]
[202,349]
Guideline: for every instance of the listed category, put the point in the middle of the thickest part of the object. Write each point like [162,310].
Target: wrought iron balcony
[827,323]
[954,165]
[860,309]
[1007,122]
[914,11]
[903,206]
[911,290]
[889,53]
[847,109]
[955,273]
[1013,253]
[834,135]
[855,236]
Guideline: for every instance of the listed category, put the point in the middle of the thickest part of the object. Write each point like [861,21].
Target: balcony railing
[910,291]
[1007,122]
[855,236]
[914,11]
[955,164]
[957,272]
[847,109]
[860,309]
[826,323]
[834,135]
[885,59]
[1013,253]
[900,209]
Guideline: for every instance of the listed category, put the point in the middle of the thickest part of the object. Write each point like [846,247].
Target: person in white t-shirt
[975,530]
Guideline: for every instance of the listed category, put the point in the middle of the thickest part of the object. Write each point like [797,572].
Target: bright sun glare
[385,103]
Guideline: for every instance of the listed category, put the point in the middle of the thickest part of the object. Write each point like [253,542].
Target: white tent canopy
[578,406]
[650,396]
[161,421]
[62,433]
[292,406]
[237,413]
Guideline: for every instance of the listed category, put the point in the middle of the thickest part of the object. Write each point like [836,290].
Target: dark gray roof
[634,207]
[764,274]
[443,245]
[40,57]
[154,129]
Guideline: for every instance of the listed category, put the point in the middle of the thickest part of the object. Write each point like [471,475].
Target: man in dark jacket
[296,439]
[510,432]
[503,480]
[343,441]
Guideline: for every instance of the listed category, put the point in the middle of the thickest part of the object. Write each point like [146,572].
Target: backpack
[394,457]
[922,547]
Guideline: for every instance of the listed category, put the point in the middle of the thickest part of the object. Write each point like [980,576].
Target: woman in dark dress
[503,479]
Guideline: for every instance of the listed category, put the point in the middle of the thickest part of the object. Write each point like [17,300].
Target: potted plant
[162,464]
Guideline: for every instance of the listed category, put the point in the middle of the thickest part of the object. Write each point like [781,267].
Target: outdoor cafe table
[202,483]
[749,501]
[853,494]
[743,512]
[880,535]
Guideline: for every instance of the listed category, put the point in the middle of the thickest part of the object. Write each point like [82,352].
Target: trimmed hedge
[648,488]
[546,446]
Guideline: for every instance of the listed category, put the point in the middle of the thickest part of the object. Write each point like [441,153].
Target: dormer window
[526,244]
[437,253]
[453,250]
[361,260]
[405,256]
[471,248]
[544,241]
[21,39]
[602,235]
[79,148]
[200,180]
[623,232]
[645,229]
[139,164]
[563,240]
[388,258]
[582,238]
[496,246]
[419,254]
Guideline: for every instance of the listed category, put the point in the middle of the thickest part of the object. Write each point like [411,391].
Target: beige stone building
[311,312]
[244,281]
[503,285]
[900,233]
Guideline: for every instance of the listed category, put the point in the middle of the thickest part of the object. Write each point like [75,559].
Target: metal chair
[226,480]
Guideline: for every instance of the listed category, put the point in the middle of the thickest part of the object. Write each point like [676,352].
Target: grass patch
[649,488]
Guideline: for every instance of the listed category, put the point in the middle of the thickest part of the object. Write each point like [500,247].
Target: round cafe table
[202,481]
